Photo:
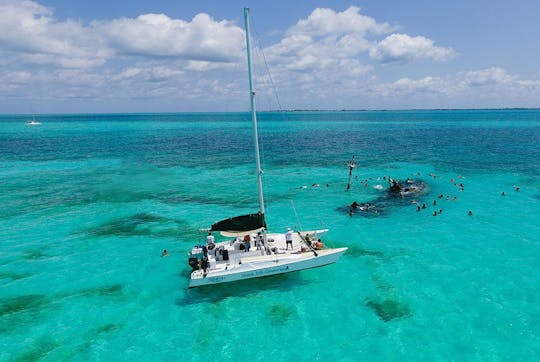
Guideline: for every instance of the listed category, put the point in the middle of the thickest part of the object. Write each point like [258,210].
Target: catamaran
[250,251]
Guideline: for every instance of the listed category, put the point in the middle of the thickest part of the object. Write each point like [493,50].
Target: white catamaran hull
[234,260]
[257,267]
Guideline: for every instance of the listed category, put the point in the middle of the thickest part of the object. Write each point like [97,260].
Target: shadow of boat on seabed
[396,195]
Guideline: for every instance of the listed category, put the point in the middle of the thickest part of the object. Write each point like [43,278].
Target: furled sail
[240,223]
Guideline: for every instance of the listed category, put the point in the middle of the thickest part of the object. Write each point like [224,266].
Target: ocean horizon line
[279,111]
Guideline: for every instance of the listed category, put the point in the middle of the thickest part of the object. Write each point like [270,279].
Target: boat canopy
[239,234]
[240,224]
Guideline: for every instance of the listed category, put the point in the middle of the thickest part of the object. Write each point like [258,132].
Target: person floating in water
[165,253]
[470,213]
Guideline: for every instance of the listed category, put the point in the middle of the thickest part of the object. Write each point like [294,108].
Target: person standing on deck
[288,238]
[210,241]
[259,240]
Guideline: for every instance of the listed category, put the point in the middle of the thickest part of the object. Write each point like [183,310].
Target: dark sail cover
[240,223]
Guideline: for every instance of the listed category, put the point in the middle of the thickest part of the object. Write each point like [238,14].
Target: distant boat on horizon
[33,122]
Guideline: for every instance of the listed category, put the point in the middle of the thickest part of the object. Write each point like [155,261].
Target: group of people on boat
[314,244]
[245,243]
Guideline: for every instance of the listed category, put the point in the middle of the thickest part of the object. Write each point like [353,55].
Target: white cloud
[483,77]
[324,22]
[19,77]
[29,33]
[402,47]
[158,35]
[415,86]
[329,59]
[204,66]
[337,50]
[498,87]
[326,41]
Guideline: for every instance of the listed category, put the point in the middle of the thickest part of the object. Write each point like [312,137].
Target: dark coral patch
[38,350]
[103,291]
[34,254]
[106,328]
[13,276]
[356,251]
[23,303]
[389,309]
[141,224]
[280,314]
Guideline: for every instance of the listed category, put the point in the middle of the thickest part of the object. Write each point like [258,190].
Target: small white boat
[251,252]
[33,122]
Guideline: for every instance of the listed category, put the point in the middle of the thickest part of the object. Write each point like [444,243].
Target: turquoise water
[90,201]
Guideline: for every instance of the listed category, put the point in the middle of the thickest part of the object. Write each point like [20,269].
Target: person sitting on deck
[204,265]
[318,245]
[288,238]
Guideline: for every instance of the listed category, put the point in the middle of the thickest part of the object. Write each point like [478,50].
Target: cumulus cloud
[490,76]
[496,83]
[326,41]
[158,35]
[324,22]
[30,33]
[403,47]
[341,45]
[329,59]
[422,85]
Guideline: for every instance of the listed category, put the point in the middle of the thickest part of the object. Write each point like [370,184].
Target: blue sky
[60,56]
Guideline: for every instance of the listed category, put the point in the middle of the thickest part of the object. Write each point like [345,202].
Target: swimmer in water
[165,253]
[470,213]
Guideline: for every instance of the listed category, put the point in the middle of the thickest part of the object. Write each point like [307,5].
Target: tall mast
[254,115]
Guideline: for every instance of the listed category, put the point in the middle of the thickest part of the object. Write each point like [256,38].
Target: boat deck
[242,264]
